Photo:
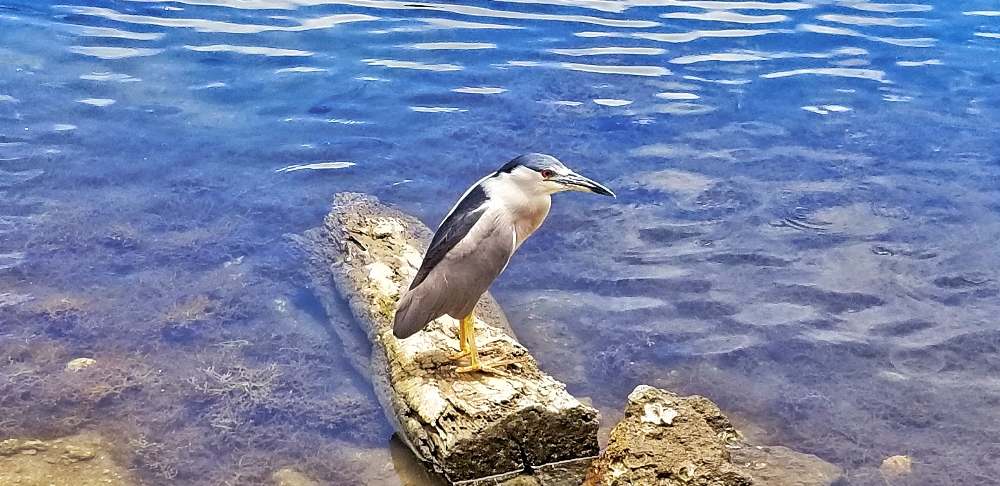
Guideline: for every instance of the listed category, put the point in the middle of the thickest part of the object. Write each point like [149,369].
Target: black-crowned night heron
[476,240]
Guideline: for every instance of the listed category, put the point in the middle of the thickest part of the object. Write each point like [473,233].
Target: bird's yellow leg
[463,337]
[474,364]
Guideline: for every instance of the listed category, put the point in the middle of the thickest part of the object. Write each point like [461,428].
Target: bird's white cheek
[553,187]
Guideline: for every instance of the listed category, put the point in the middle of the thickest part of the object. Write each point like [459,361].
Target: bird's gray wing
[422,304]
[453,229]
[460,278]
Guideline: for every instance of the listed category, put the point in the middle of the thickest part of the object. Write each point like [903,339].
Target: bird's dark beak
[578,182]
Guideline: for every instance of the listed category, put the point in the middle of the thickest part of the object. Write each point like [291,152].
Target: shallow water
[806,229]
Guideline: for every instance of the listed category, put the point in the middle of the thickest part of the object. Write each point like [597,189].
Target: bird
[475,242]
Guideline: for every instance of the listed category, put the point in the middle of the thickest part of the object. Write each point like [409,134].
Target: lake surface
[806,229]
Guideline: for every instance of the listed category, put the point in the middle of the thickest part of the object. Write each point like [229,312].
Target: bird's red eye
[547,173]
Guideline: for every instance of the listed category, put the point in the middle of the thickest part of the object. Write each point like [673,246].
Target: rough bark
[468,426]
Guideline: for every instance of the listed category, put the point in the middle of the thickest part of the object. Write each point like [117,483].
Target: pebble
[80,363]
[896,466]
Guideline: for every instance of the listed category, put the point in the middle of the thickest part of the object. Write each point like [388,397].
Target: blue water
[806,229]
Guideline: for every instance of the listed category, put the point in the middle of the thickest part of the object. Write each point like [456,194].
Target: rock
[80,363]
[781,466]
[896,466]
[10,447]
[291,477]
[79,460]
[667,440]
[78,453]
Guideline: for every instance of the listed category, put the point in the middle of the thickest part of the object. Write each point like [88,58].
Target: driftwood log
[470,427]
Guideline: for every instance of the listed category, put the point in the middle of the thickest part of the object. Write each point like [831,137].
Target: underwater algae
[205,368]
[183,418]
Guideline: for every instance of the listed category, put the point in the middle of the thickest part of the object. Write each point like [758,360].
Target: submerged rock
[896,466]
[781,466]
[80,364]
[290,477]
[667,440]
[80,460]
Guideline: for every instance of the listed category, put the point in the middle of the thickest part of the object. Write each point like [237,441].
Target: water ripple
[724,82]
[204,25]
[677,96]
[430,46]
[437,109]
[826,109]
[97,101]
[110,76]
[713,5]
[113,52]
[627,70]
[611,6]
[390,63]
[722,56]
[316,166]
[252,50]
[683,108]
[600,51]
[480,90]
[461,24]
[929,62]
[766,56]
[868,21]
[88,31]
[722,16]
[300,69]
[889,7]
[200,25]
[486,12]
[822,29]
[469,10]
[613,102]
[239,4]
[700,34]
[871,74]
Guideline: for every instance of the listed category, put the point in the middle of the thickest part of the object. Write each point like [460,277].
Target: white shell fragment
[657,414]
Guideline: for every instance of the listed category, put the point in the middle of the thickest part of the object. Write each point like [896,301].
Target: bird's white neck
[526,208]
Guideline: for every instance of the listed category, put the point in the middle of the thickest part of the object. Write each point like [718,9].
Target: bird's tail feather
[411,317]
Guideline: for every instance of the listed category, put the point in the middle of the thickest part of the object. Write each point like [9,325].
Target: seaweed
[199,376]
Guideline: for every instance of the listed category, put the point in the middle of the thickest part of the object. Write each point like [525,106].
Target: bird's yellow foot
[456,357]
[481,367]
[493,368]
